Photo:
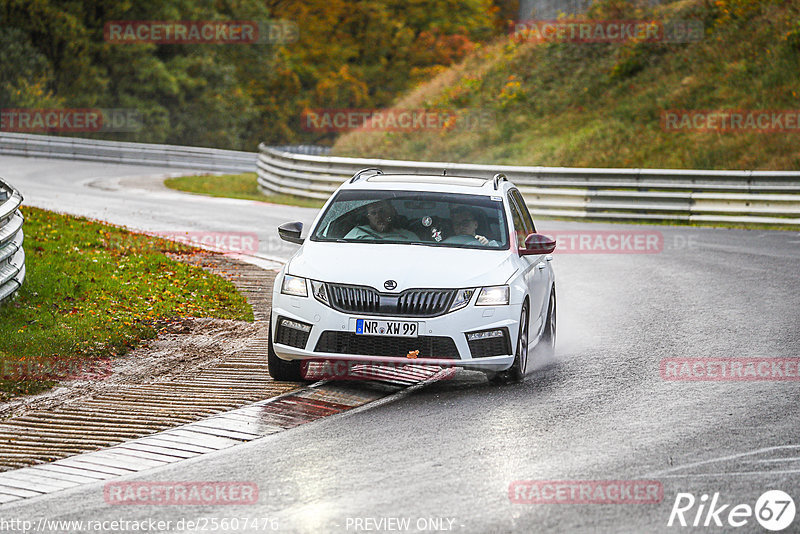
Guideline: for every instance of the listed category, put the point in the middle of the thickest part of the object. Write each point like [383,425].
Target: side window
[519,223]
[526,215]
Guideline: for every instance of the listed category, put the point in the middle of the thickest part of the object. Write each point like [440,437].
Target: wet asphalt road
[135,197]
[443,457]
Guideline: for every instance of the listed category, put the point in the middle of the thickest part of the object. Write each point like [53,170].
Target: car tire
[516,373]
[548,341]
[279,369]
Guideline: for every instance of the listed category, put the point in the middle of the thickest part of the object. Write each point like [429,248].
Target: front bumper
[442,340]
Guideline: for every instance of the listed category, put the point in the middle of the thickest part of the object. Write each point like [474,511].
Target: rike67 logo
[774,511]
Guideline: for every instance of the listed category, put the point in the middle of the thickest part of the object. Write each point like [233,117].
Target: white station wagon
[411,269]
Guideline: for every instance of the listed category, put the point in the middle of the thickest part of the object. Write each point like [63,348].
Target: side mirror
[291,232]
[536,244]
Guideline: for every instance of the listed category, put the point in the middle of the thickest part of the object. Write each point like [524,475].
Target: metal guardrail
[198,158]
[12,256]
[670,195]
[74,148]
[767,197]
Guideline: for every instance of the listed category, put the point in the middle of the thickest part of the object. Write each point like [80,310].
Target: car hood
[411,266]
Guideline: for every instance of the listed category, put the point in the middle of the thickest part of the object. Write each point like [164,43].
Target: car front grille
[409,303]
[356,299]
[389,346]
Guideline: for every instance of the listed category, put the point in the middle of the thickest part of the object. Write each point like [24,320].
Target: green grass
[600,105]
[94,291]
[244,186]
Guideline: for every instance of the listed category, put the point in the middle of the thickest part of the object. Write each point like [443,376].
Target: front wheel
[516,373]
[548,341]
[280,369]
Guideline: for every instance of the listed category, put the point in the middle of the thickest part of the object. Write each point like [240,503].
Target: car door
[537,272]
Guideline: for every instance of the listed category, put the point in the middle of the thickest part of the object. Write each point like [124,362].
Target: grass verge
[602,104]
[244,186]
[93,291]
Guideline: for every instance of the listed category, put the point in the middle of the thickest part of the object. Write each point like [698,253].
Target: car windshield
[413,217]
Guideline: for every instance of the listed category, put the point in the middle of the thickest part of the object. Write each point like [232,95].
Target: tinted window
[428,218]
[523,208]
[520,228]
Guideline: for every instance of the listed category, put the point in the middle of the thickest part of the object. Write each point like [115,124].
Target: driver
[381,218]
[465,227]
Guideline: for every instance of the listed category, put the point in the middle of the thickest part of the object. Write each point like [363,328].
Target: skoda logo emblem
[390,284]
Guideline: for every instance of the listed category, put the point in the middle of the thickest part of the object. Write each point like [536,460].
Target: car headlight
[463,296]
[493,296]
[294,285]
[319,292]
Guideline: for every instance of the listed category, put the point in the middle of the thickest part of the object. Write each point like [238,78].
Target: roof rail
[357,176]
[499,177]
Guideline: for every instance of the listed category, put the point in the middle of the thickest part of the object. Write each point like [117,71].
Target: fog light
[294,325]
[475,336]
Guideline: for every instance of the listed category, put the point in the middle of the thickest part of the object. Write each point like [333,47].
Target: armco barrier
[765,197]
[12,256]
[187,157]
[75,148]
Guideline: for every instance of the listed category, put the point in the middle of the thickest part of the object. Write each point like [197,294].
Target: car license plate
[386,328]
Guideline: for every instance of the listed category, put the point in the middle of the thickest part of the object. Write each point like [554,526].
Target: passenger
[381,217]
[465,227]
